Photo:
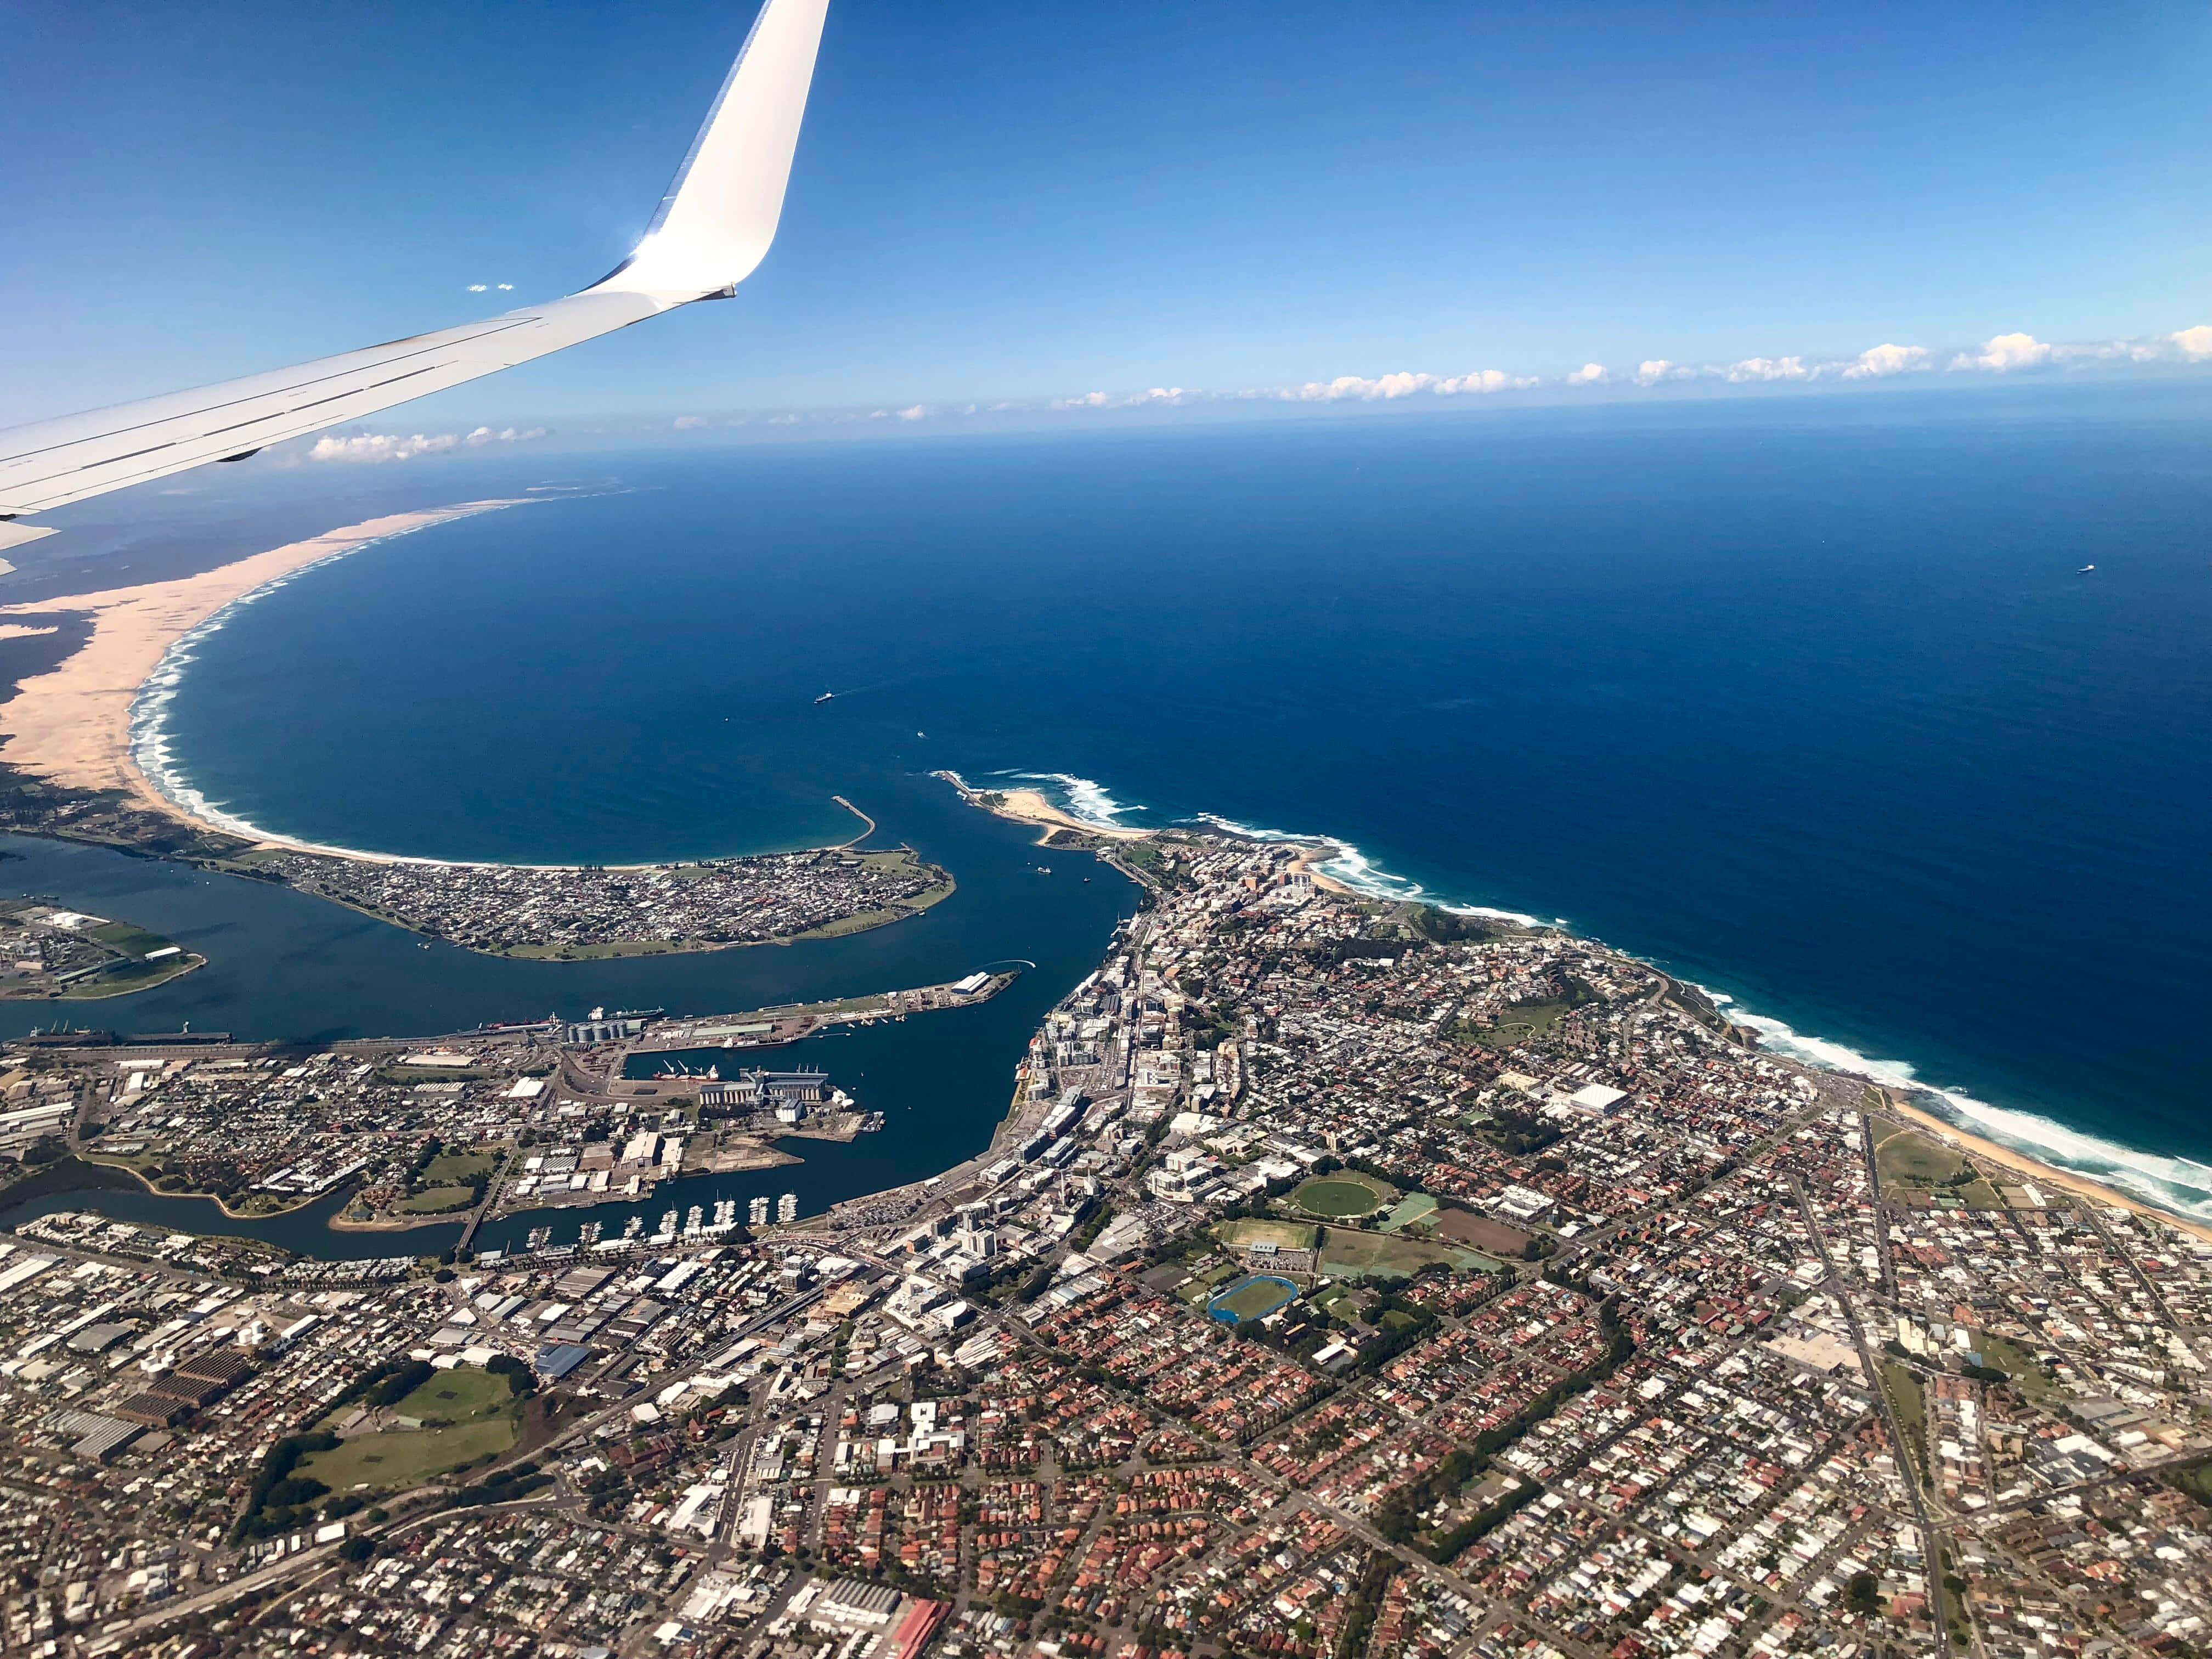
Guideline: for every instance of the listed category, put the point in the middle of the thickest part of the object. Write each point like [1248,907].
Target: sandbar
[71,726]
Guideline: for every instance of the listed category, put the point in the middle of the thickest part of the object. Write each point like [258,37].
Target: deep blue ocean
[1804,698]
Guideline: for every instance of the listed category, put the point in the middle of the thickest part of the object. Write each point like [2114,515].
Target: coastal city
[555,912]
[583,911]
[1347,1278]
[1242,497]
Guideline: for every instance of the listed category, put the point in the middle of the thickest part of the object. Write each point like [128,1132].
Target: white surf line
[153,753]
[1084,799]
[150,747]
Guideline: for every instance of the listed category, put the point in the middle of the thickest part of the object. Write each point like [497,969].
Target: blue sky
[1000,201]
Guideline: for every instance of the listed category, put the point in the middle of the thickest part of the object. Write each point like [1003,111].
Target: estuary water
[281,964]
[1803,699]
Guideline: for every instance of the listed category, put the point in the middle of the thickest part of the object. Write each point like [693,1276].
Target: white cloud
[1345,388]
[1357,388]
[507,288]
[1482,380]
[1768,369]
[2188,345]
[1402,385]
[2005,352]
[691,423]
[2002,353]
[392,446]
[1877,362]
[475,288]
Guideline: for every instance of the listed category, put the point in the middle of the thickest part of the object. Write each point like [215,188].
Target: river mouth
[283,966]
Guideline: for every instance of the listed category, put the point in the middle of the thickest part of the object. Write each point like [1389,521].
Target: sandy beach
[2043,1175]
[1307,864]
[1031,806]
[72,726]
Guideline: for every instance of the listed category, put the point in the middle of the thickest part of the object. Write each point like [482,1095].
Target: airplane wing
[714,226]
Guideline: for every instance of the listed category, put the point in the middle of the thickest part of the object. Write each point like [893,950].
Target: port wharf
[634,1031]
[764,1028]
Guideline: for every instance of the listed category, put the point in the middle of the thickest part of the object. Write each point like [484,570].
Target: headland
[1035,806]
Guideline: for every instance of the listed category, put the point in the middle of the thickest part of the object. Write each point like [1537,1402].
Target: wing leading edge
[712,229]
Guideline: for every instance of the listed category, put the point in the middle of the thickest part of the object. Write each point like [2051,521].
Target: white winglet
[712,228]
[716,223]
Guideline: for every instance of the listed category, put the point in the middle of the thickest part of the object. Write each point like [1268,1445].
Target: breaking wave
[1080,797]
[1346,863]
[2180,1184]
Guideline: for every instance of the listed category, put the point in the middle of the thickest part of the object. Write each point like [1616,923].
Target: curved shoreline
[216,1199]
[196,963]
[97,721]
[338,1224]
[631,949]
[2035,1169]
[1894,1100]
[85,725]
[77,726]
[1032,806]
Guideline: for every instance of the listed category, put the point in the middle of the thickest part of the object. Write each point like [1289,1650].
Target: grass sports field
[407,1457]
[456,1395]
[1348,1255]
[451,1169]
[1414,1207]
[436,1201]
[466,1412]
[1283,1234]
[1341,1196]
[1909,1162]
[1254,1297]
[1200,1288]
